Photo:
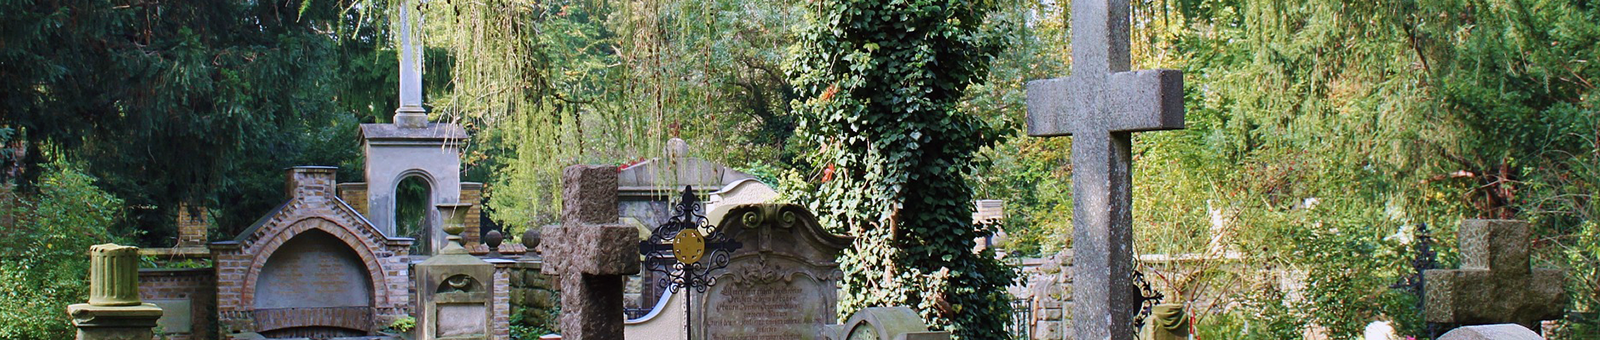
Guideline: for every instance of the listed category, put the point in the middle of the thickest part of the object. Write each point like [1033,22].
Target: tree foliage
[881,83]
[44,248]
[199,102]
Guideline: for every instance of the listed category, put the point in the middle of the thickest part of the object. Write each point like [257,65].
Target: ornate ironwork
[1148,298]
[687,225]
[1416,283]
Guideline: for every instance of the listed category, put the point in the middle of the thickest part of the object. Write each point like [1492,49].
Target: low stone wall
[188,298]
[532,292]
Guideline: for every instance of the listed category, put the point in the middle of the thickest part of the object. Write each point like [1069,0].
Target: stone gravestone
[590,252]
[1494,284]
[1492,332]
[885,323]
[453,297]
[114,311]
[1101,105]
[783,282]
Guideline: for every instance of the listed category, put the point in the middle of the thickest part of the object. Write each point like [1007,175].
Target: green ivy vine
[880,82]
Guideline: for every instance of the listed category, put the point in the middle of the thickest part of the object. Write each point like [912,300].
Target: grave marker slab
[781,284]
[1101,104]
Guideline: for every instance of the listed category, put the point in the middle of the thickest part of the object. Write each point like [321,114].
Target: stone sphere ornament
[530,239]
[493,239]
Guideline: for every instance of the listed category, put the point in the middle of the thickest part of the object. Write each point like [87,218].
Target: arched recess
[414,214]
[413,210]
[347,237]
[314,270]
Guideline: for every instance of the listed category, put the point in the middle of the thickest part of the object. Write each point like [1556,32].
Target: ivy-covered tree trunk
[881,80]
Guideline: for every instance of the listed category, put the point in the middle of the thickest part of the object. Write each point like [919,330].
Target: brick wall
[196,286]
[314,204]
[354,194]
[193,227]
[532,291]
[472,193]
[500,326]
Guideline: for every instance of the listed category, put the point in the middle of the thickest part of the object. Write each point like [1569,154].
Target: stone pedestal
[114,311]
[114,322]
[454,288]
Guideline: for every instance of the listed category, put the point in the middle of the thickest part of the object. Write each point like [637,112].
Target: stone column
[114,311]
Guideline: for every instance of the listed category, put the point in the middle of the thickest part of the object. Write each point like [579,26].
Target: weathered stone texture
[1495,283]
[1100,105]
[590,252]
[589,195]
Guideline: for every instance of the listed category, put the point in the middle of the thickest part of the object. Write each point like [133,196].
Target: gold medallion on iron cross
[689,246]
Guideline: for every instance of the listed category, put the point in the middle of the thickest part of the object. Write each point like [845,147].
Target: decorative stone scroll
[885,323]
[783,282]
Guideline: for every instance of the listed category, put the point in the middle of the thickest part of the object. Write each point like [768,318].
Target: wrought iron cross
[686,250]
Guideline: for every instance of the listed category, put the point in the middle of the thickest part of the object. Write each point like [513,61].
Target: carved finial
[453,221]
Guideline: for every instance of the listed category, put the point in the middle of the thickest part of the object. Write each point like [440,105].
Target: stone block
[589,195]
[1491,332]
[1495,283]
[114,322]
[606,250]
[1503,245]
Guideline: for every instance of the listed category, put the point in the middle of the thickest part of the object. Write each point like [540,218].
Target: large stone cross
[1494,284]
[591,252]
[1101,104]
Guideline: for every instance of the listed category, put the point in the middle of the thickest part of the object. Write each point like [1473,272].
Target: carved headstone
[1495,283]
[885,323]
[783,282]
[114,310]
[590,252]
[1101,105]
[1492,332]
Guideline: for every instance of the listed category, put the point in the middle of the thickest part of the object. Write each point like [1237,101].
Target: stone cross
[410,114]
[590,252]
[1101,104]
[1495,284]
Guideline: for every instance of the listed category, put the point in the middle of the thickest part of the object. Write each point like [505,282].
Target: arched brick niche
[313,267]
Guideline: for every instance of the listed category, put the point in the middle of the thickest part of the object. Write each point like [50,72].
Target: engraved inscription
[770,311]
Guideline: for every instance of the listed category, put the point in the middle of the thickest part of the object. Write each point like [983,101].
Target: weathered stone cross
[590,251]
[1101,104]
[1494,284]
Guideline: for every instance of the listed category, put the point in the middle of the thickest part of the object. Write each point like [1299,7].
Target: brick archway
[362,247]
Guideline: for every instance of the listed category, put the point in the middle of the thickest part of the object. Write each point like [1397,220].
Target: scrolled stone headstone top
[1492,332]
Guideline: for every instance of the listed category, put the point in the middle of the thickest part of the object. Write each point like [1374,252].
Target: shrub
[44,250]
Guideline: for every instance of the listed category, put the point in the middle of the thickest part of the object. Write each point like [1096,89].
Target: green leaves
[904,152]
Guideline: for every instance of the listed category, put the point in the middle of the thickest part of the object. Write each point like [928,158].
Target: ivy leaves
[882,81]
